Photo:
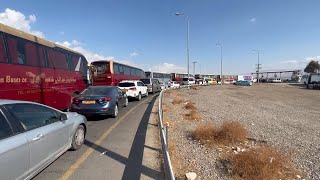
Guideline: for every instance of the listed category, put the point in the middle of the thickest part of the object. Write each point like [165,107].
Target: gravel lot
[283,116]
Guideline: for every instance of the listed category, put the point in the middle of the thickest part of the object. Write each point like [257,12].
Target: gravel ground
[284,116]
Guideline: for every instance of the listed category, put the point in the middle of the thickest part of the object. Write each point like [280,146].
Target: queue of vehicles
[39,81]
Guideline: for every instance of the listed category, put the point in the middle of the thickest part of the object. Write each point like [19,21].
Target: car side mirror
[63,117]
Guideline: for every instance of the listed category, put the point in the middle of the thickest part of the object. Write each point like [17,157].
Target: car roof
[101,87]
[8,101]
[131,81]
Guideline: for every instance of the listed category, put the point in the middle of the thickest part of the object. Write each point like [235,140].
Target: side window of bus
[121,69]
[16,50]
[58,59]
[2,50]
[31,52]
[132,71]
[75,63]
[116,68]
[126,70]
[43,58]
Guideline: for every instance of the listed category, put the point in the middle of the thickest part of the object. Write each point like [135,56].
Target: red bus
[37,70]
[106,72]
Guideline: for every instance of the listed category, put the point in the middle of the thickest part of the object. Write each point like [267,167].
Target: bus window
[2,50]
[126,70]
[116,68]
[132,71]
[121,69]
[16,49]
[75,63]
[42,58]
[58,59]
[31,52]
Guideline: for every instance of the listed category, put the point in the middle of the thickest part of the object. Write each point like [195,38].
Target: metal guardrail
[164,131]
[164,142]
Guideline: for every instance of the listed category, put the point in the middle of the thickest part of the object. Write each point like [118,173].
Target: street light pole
[220,61]
[194,68]
[187,18]
[258,65]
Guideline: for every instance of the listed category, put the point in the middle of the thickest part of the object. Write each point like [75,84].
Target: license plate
[125,90]
[88,102]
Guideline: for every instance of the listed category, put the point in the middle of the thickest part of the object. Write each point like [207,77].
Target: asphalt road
[113,148]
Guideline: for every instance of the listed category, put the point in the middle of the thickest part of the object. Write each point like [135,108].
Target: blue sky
[145,33]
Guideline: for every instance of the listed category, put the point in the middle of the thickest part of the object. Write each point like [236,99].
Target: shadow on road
[133,164]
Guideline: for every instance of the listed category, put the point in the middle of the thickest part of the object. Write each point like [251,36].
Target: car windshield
[126,84]
[96,91]
[145,81]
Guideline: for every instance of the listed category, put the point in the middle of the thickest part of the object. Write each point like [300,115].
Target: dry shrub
[262,163]
[177,100]
[194,87]
[192,115]
[190,106]
[204,133]
[228,133]
[231,132]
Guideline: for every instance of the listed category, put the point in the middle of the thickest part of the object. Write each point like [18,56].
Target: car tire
[139,96]
[115,111]
[126,102]
[147,94]
[78,138]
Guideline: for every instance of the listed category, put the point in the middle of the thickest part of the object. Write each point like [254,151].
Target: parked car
[238,82]
[174,84]
[163,86]
[134,88]
[313,81]
[185,81]
[32,136]
[245,83]
[153,85]
[99,100]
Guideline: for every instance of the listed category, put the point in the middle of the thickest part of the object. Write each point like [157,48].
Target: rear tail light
[133,88]
[105,99]
[75,100]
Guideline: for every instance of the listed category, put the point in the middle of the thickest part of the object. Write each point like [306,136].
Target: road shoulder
[152,157]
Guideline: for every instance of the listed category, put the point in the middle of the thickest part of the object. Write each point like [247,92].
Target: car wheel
[147,94]
[78,138]
[115,111]
[139,97]
[126,102]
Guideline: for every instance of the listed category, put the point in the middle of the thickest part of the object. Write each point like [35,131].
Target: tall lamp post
[220,61]
[258,65]
[187,18]
[194,69]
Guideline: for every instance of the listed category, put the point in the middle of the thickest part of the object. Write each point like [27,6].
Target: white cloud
[90,56]
[134,54]
[61,33]
[19,21]
[253,20]
[299,64]
[167,68]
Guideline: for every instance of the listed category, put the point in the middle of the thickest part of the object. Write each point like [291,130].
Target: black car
[99,100]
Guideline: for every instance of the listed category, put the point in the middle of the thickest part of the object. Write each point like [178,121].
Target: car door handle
[39,136]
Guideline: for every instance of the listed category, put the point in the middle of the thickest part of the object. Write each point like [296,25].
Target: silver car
[34,135]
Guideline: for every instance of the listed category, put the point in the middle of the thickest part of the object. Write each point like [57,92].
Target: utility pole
[221,79]
[194,68]
[258,65]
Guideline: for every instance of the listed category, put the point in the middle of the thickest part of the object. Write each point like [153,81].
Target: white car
[134,88]
[174,84]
